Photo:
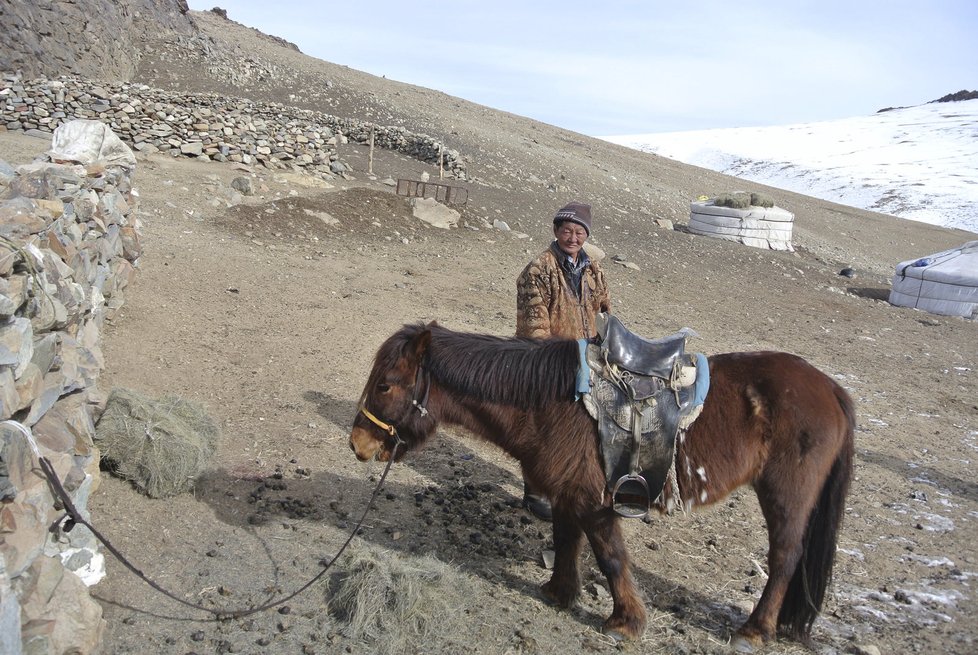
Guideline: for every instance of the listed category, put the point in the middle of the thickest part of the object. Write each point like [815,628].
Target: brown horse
[770,420]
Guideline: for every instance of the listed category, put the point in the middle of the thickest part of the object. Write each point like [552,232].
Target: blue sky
[641,66]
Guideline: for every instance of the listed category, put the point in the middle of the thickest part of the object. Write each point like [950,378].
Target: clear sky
[640,66]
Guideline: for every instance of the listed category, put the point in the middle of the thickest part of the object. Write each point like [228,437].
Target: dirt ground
[270,315]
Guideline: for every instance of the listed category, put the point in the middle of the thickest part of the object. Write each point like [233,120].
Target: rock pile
[69,242]
[215,127]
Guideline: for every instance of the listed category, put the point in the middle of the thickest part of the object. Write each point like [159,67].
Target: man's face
[570,238]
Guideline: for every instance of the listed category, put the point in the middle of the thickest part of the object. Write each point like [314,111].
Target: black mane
[512,371]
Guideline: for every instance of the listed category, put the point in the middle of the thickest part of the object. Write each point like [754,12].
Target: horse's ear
[420,344]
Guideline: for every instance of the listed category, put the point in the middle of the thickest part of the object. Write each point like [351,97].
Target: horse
[770,420]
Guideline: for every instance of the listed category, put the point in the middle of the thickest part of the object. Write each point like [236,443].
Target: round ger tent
[756,226]
[944,283]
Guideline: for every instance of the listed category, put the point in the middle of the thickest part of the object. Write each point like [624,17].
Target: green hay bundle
[743,200]
[735,200]
[393,602]
[161,446]
[761,200]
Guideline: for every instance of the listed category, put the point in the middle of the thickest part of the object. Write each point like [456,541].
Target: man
[559,294]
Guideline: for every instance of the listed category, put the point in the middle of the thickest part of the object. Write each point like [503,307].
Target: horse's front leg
[627,620]
[565,582]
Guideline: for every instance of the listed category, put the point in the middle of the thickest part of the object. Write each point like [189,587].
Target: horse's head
[392,410]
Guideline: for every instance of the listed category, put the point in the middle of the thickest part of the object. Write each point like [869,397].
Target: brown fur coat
[547,307]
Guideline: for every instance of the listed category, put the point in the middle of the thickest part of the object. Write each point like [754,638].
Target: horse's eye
[383,388]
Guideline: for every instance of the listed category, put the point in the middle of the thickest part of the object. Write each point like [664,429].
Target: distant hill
[912,162]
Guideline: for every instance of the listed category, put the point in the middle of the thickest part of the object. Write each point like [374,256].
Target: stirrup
[633,487]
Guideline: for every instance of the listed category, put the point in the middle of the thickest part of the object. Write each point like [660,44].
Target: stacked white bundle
[760,227]
[944,283]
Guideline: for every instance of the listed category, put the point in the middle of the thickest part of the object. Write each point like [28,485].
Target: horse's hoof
[742,644]
[561,600]
[622,631]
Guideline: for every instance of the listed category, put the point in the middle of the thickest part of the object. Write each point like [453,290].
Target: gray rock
[9,398]
[7,172]
[9,614]
[7,307]
[243,185]
[45,350]
[435,214]
[16,344]
[194,148]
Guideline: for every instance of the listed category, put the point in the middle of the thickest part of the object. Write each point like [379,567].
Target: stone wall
[69,242]
[215,127]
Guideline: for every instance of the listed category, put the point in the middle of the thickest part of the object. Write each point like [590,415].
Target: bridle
[389,427]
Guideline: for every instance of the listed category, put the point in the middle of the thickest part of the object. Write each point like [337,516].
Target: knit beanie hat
[575,212]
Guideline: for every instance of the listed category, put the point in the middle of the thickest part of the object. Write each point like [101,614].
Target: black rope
[74,517]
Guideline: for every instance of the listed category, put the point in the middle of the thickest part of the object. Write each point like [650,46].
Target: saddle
[642,393]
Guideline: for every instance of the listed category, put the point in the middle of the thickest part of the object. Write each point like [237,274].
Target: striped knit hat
[575,212]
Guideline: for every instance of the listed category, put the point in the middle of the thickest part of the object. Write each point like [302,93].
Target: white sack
[87,142]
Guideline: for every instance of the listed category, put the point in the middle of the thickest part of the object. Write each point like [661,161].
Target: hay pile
[743,200]
[161,446]
[393,602]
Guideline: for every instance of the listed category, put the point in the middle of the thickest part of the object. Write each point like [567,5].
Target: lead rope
[74,517]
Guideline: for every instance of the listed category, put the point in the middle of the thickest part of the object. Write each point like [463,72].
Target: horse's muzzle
[367,447]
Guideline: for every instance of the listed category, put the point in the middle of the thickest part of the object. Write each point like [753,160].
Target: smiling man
[559,294]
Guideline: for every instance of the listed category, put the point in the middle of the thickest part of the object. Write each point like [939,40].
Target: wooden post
[370,157]
[441,162]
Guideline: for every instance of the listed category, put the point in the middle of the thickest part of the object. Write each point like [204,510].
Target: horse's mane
[512,371]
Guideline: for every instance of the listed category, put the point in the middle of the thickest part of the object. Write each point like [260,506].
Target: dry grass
[393,602]
[161,446]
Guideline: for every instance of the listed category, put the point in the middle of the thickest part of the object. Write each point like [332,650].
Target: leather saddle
[643,391]
[641,356]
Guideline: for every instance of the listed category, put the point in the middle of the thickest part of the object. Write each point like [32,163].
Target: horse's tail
[806,591]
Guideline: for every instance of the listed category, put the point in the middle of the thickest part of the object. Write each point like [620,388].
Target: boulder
[434,213]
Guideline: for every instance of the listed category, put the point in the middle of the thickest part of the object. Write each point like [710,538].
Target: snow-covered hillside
[919,163]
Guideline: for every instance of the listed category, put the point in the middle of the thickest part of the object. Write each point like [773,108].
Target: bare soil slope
[270,316]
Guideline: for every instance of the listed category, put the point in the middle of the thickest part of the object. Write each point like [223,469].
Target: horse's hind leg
[783,555]
[786,513]
[627,620]
[565,582]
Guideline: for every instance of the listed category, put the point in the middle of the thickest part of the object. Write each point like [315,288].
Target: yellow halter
[387,427]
